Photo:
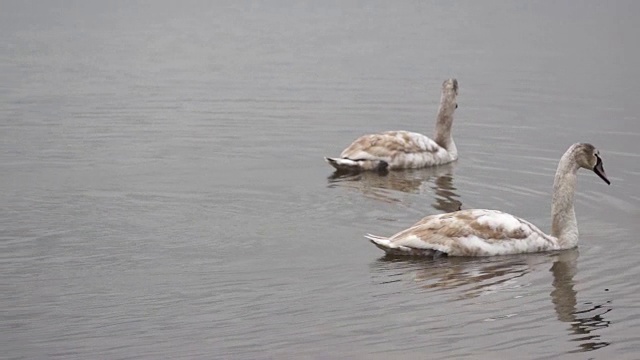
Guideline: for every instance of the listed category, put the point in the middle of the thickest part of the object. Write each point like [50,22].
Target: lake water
[163,191]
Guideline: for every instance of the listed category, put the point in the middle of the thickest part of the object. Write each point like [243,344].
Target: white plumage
[481,232]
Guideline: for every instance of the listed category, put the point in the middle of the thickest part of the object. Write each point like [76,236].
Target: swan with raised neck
[392,150]
[481,232]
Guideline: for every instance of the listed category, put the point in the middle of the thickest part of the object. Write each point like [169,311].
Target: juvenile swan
[404,149]
[481,232]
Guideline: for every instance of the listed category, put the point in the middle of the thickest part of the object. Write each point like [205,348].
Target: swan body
[394,150]
[480,232]
[476,232]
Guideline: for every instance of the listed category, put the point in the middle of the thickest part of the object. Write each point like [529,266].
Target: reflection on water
[445,194]
[474,277]
[582,322]
[377,186]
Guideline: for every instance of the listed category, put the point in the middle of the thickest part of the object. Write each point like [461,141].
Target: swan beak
[599,170]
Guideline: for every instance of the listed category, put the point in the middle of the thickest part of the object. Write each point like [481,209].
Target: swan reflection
[438,180]
[584,320]
[474,277]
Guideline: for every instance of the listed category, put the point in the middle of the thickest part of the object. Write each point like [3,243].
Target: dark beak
[599,170]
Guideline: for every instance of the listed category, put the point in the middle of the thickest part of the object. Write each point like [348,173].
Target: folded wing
[472,233]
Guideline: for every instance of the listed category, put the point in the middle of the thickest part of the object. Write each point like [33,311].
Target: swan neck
[564,225]
[444,122]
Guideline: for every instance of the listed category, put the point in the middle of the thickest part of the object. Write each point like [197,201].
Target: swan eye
[456,106]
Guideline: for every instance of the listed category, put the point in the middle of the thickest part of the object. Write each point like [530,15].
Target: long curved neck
[564,225]
[442,135]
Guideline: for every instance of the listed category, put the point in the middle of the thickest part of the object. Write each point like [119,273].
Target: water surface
[164,195]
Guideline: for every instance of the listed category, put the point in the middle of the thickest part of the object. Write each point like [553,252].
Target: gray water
[163,193]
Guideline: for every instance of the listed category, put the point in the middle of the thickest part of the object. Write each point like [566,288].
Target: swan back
[475,232]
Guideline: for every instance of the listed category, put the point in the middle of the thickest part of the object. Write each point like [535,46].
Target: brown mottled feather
[442,231]
[385,145]
[460,224]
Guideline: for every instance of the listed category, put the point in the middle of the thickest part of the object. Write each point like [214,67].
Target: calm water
[163,193]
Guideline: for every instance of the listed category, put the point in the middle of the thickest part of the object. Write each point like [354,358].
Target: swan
[481,232]
[393,150]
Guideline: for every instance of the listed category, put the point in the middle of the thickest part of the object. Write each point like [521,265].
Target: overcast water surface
[163,193]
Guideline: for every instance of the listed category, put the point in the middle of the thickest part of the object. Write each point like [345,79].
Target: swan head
[588,157]
[448,100]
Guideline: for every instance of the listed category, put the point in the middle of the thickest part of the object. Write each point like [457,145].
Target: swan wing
[401,149]
[474,233]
